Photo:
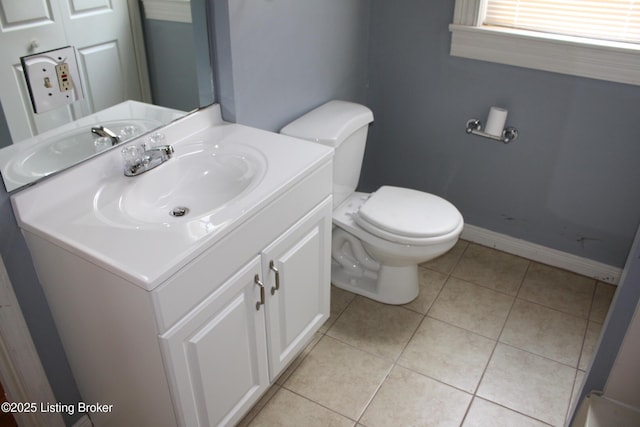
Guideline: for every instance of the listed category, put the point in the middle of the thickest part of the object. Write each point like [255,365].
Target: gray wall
[570,181]
[171,58]
[277,59]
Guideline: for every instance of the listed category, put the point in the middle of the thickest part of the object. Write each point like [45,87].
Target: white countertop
[62,209]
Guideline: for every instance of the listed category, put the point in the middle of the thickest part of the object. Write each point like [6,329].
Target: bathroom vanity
[185,319]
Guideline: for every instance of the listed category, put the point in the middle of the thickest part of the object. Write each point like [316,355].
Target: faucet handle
[132,156]
[156,140]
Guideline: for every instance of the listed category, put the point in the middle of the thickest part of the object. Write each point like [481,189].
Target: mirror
[160,57]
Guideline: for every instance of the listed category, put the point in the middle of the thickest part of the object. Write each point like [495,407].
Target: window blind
[617,20]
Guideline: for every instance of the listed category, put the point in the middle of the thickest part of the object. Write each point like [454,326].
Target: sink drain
[179,211]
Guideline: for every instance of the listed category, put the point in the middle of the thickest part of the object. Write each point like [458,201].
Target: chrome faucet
[102,131]
[139,160]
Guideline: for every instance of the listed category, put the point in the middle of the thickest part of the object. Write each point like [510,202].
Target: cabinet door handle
[259,283]
[272,266]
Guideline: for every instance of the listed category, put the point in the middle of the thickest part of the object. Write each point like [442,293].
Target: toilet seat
[408,216]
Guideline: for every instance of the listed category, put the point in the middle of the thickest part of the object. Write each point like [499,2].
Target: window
[590,38]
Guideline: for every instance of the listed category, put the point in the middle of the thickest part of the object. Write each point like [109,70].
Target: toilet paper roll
[495,122]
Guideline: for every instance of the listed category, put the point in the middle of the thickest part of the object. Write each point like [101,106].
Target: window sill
[611,61]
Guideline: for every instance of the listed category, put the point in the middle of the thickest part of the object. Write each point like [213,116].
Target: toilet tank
[342,125]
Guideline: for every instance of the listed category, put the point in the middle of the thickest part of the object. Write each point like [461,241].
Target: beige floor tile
[449,354]
[339,377]
[431,282]
[487,414]
[590,341]
[340,299]
[472,307]
[407,398]
[288,409]
[559,289]
[378,328]
[447,262]
[491,268]
[529,384]
[545,332]
[601,301]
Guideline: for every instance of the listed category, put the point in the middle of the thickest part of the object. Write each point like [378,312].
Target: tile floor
[492,340]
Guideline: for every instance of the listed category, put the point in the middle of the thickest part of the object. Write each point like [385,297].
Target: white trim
[21,372]
[135,20]
[167,10]
[603,60]
[542,254]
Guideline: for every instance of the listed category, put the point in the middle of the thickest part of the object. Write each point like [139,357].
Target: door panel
[25,13]
[83,6]
[100,66]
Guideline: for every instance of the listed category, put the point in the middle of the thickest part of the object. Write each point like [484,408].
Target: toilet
[378,239]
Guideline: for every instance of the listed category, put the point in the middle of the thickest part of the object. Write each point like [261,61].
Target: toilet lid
[409,213]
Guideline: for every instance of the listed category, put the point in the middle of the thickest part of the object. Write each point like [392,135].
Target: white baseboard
[542,254]
[85,421]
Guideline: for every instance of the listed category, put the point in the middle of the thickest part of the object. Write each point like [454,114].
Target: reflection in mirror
[127,59]
[71,143]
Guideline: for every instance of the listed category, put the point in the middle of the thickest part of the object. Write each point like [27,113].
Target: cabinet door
[216,355]
[297,275]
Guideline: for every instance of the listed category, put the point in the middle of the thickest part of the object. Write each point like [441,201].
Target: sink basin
[224,175]
[71,147]
[197,181]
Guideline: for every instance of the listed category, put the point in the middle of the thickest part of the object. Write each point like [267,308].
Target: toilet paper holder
[509,134]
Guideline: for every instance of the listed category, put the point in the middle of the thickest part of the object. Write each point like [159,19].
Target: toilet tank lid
[330,123]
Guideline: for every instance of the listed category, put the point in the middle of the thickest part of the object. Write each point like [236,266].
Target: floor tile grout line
[552,308]
[375,392]
[509,409]
[524,278]
[317,403]
[575,378]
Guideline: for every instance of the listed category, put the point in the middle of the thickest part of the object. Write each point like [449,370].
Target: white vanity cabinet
[224,354]
[163,319]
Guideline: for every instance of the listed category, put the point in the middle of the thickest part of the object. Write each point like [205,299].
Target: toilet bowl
[378,239]
[381,264]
